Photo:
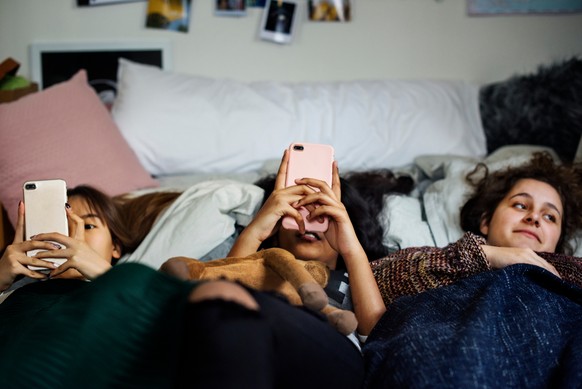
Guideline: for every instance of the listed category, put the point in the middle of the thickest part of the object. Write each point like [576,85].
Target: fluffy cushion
[64,132]
[544,108]
[179,123]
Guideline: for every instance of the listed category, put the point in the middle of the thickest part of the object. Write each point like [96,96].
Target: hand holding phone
[308,160]
[44,202]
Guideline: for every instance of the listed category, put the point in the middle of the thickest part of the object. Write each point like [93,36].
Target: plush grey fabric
[543,108]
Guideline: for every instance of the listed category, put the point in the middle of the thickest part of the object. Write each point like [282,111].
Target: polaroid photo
[230,8]
[278,21]
[329,10]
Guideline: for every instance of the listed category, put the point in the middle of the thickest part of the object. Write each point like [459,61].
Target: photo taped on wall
[278,21]
[230,8]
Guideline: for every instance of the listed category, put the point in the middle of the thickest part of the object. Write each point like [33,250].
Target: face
[97,234]
[529,216]
[308,247]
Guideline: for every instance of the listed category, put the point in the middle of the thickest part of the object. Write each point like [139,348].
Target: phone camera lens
[30,186]
[300,148]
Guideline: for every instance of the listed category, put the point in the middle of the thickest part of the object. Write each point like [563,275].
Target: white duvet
[198,221]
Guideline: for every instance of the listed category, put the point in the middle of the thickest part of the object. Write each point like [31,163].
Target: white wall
[386,39]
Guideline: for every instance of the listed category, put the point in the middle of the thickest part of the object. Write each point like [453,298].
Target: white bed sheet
[200,219]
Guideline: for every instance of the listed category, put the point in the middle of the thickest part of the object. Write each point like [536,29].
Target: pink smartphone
[308,160]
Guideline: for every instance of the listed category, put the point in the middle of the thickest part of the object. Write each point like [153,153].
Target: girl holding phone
[352,236]
[133,326]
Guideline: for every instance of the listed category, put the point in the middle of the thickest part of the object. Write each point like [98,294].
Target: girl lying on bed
[132,326]
[353,236]
[463,316]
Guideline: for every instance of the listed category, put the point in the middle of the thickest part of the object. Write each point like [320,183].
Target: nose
[533,219]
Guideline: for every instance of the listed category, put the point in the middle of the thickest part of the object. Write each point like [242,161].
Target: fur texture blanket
[544,108]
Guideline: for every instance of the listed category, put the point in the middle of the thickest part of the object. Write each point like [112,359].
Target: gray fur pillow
[544,108]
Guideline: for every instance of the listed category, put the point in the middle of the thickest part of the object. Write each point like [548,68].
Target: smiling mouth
[529,234]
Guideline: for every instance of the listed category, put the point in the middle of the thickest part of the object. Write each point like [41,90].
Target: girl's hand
[78,254]
[500,257]
[14,261]
[282,202]
[327,202]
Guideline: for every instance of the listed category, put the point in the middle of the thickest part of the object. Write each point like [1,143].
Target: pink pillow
[64,132]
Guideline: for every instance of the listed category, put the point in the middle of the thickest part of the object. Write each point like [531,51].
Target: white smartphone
[308,160]
[44,211]
[278,21]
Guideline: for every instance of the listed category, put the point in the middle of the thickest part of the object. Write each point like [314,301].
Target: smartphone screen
[308,160]
[44,204]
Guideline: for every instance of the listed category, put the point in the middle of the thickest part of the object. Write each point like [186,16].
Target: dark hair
[139,214]
[491,188]
[362,195]
[105,208]
[374,185]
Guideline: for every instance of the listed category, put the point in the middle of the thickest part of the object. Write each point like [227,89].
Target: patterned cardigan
[416,269]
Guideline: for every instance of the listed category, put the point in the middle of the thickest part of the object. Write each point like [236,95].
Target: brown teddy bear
[271,270]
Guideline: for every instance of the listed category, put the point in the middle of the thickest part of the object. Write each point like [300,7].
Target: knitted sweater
[416,269]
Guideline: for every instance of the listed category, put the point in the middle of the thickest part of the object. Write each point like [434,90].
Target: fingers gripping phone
[44,202]
[308,160]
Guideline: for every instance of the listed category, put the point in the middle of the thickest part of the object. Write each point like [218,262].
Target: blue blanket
[520,327]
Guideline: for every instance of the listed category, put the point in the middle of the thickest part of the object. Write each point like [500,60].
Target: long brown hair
[139,214]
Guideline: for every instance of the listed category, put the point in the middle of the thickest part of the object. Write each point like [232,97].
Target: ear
[116,251]
[484,226]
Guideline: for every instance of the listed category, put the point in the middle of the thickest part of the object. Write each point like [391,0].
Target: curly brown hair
[492,187]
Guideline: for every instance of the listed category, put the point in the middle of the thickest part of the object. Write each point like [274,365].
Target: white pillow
[179,123]
[401,220]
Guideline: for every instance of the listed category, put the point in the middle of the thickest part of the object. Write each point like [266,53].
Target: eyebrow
[550,205]
[90,215]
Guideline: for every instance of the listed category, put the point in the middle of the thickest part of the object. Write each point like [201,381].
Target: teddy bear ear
[319,271]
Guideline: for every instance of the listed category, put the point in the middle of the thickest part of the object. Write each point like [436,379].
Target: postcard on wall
[278,20]
[496,7]
[330,10]
[169,15]
[230,7]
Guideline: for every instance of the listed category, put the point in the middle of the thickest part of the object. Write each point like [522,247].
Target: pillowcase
[66,132]
[179,123]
